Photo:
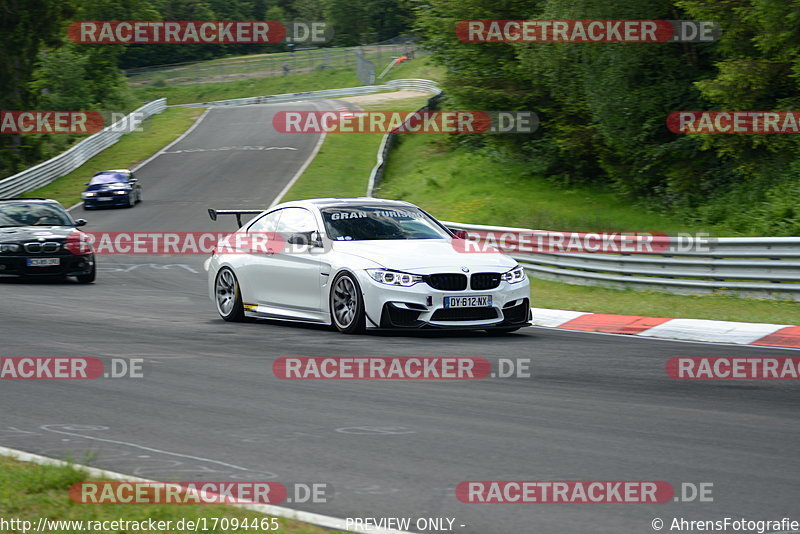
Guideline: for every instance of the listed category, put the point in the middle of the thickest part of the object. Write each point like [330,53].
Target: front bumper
[115,201]
[422,307]
[69,265]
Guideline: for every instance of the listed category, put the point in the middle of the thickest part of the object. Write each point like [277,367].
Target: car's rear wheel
[347,305]
[87,278]
[228,296]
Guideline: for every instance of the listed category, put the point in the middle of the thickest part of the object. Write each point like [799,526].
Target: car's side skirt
[273,312]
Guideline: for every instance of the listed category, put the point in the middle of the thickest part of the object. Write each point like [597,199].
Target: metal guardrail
[66,162]
[426,86]
[762,267]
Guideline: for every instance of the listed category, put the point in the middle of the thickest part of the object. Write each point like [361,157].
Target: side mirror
[297,239]
[132,180]
[312,239]
[459,234]
[80,222]
[86,183]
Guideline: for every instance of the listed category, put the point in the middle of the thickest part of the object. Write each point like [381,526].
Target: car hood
[422,255]
[33,233]
[107,187]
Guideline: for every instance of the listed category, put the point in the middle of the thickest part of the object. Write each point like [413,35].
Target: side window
[267,223]
[297,220]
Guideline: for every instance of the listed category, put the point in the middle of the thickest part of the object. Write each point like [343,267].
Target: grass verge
[558,295]
[343,164]
[471,187]
[312,81]
[158,131]
[30,491]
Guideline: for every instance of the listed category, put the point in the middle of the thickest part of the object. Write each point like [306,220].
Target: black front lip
[19,269]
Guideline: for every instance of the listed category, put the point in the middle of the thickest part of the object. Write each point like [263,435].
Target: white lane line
[149,449]
[333,523]
[154,156]
[176,141]
[302,168]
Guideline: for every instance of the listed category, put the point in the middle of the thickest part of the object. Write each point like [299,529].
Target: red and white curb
[762,334]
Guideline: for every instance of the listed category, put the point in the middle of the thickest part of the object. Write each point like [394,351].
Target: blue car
[114,188]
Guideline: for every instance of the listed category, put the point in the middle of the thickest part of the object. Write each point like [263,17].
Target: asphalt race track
[598,407]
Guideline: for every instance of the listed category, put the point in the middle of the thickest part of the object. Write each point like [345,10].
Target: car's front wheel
[347,305]
[228,296]
[87,278]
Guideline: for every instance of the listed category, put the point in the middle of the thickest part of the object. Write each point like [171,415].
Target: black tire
[139,196]
[235,313]
[347,305]
[85,208]
[87,278]
[131,200]
[502,331]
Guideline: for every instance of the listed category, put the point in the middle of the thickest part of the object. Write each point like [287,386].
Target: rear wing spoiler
[213,214]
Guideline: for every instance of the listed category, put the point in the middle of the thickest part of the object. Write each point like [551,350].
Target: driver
[41,216]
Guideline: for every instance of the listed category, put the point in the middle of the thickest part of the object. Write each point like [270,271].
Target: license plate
[42,262]
[477,301]
[104,199]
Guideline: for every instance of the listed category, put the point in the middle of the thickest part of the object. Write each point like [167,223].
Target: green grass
[207,92]
[29,491]
[343,164]
[547,294]
[158,131]
[314,81]
[470,187]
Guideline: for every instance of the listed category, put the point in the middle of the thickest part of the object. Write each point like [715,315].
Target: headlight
[9,247]
[121,192]
[394,278]
[88,195]
[517,274]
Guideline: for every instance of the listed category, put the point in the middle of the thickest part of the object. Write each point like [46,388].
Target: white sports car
[363,263]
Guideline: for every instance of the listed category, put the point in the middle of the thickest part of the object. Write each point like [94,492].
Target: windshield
[30,214]
[359,223]
[109,179]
